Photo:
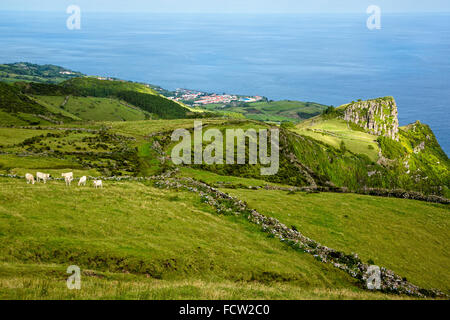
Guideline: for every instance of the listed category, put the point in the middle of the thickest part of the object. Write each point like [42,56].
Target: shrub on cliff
[391,149]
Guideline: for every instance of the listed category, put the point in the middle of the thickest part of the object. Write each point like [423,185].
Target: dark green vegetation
[24,71]
[272,111]
[133,240]
[84,99]
[353,158]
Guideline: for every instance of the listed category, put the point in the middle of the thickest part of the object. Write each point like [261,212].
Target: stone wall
[349,263]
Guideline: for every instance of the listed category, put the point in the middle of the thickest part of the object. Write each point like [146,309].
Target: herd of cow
[68,178]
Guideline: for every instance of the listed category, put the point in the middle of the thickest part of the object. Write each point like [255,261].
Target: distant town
[193,97]
[198,98]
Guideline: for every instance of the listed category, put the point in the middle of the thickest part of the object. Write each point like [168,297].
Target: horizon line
[226,12]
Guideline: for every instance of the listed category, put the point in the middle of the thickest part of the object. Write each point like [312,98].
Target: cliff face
[377,116]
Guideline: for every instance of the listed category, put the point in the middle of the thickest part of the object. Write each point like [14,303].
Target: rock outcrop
[377,116]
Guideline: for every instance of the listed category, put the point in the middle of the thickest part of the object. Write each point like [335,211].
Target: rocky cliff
[377,116]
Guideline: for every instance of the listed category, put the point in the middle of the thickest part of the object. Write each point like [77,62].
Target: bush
[287,125]
[391,149]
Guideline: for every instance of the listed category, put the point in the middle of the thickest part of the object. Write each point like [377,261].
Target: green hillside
[337,133]
[414,162]
[272,111]
[24,71]
[91,86]
[55,104]
[406,236]
[14,101]
[134,234]
[16,108]
[106,100]
[93,109]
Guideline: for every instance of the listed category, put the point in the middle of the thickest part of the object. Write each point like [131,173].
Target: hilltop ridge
[25,71]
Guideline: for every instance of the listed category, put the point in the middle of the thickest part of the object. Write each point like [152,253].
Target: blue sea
[331,59]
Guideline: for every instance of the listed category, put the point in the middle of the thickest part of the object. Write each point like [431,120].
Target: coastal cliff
[378,116]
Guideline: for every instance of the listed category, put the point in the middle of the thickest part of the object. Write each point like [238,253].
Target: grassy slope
[284,110]
[102,109]
[17,108]
[136,94]
[94,87]
[144,128]
[13,101]
[91,153]
[10,136]
[90,108]
[90,99]
[9,119]
[21,71]
[21,165]
[135,228]
[53,104]
[326,206]
[334,132]
[212,178]
[409,237]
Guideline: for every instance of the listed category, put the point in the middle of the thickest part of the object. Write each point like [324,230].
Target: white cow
[68,180]
[68,174]
[30,178]
[42,176]
[68,177]
[98,183]
[82,181]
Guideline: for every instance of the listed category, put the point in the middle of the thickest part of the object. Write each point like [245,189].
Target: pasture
[132,240]
[407,236]
[334,132]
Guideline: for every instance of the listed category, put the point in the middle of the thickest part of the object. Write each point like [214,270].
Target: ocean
[330,59]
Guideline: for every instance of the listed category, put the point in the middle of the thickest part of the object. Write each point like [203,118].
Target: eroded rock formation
[377,116]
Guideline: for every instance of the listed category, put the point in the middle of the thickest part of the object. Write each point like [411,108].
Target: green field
[407,236]
[334,132]
[55,104]
[27,72]
[144,128]
[21,119]
[96,109]
[216,179]
[9,136]
[11,164]
[271,111]
[136,237]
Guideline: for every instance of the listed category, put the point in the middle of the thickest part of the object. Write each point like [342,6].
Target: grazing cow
[98,183]
[82,181]
[30,178]
[68,174]
[42,176]
[68,180]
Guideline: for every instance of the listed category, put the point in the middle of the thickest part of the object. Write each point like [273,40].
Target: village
[198,98]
